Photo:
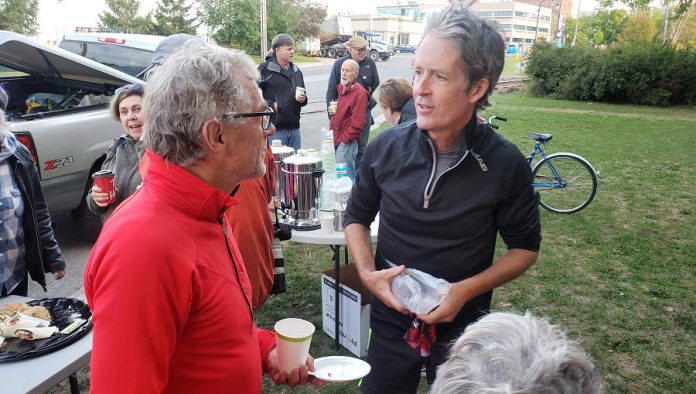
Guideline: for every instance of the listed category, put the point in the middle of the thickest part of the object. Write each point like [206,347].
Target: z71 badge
[57,163]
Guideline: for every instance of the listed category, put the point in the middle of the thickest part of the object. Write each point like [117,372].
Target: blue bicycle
[566,182]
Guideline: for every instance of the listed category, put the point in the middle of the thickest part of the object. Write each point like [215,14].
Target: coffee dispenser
[302,173]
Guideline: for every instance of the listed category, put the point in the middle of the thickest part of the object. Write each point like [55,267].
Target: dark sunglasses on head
[136,88]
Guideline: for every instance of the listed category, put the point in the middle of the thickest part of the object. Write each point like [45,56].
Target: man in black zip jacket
[280,80]
[444,188]
[367,77]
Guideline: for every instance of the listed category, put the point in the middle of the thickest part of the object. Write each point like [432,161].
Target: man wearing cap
[166,47]
[283,89]
[367,77]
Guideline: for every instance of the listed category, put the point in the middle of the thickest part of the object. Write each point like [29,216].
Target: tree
[641,26]
[313,14]
[283,17]
[19,16]
[675,14]
[233,23]
[584,31]
[171,17]
[122,16]
[687,37]
[608,25]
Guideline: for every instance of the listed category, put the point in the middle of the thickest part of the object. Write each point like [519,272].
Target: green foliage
[235,23]
[172,16]
[282,17]
[19,16]
[313,14]
[122,16]
[636,73]
[601,29]
[641,26]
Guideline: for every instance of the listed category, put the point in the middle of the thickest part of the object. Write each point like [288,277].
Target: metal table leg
[337,276]
[74,386]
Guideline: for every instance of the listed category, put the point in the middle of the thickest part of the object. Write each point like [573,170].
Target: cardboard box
[354,307]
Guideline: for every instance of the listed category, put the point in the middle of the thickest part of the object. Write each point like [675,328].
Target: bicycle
[566,182]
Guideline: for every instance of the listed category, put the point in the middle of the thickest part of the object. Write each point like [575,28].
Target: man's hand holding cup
[300,94]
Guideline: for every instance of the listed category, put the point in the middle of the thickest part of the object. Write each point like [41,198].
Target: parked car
[58,108]
[512,49]
[404,48]
[130,53]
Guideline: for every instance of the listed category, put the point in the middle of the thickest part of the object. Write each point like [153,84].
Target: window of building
[502,13]
[520,13]
[531,28]
[505,26]
[517,39]
[528,40]
[484,13]
[519,27]
[543,30]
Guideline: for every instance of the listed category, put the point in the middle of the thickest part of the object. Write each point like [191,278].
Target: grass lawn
[619,276]
[512,66]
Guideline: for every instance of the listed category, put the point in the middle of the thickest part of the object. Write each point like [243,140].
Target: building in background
[519,23]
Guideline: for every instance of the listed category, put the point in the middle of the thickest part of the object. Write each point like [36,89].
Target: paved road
[316,80]
[76,245]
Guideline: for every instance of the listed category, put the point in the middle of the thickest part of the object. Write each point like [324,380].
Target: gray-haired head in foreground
[281,40]
[480,46]
[510,353]
[191,87]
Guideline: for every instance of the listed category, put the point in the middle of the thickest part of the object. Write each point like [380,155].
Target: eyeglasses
[268,116]
[136,88]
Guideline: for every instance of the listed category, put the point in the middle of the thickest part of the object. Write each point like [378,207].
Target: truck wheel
[384,59]
[322,52]
[374,55]
[331,53]
[397,51]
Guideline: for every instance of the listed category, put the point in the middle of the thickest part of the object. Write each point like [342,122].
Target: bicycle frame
[539,151]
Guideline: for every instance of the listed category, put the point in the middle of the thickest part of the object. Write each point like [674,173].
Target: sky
[59,16]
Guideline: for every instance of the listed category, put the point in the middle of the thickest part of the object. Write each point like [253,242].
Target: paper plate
[340,368]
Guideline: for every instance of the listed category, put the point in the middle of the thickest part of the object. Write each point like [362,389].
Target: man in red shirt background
[350,117]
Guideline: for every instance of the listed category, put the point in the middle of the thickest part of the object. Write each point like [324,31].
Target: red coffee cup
[104,179]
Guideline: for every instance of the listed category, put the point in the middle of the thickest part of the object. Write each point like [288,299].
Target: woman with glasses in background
[123,156]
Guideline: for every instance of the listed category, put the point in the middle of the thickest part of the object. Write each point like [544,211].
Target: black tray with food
[64,313]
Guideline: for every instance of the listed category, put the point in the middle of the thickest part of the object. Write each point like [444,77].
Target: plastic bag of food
[418,291]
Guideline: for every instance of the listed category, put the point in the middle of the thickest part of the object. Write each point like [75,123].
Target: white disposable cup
[292,342]
[333,105]
[327,221]
[299,91]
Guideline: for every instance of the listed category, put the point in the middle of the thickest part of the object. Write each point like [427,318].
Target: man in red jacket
[168,288]
[349,119]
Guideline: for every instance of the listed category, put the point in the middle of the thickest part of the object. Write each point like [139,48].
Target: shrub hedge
[634,73]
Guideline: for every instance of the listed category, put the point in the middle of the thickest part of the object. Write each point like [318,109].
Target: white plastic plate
[340,368]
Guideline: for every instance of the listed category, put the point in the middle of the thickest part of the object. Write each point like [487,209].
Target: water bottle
[341,170]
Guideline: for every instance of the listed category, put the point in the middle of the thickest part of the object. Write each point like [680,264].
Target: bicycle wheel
[566,182]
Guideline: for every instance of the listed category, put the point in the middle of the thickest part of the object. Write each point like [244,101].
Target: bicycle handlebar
[492,118]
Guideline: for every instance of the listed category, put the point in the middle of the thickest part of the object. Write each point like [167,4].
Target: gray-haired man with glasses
[166,282]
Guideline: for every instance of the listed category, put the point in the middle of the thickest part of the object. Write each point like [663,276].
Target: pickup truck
[58,108]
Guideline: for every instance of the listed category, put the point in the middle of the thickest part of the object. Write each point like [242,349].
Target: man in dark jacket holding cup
[284,90]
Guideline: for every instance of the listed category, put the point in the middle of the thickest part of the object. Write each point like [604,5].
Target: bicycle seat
[539,137]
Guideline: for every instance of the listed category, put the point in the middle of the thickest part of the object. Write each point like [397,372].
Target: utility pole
[577,23]
[536,32]
[264,33]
